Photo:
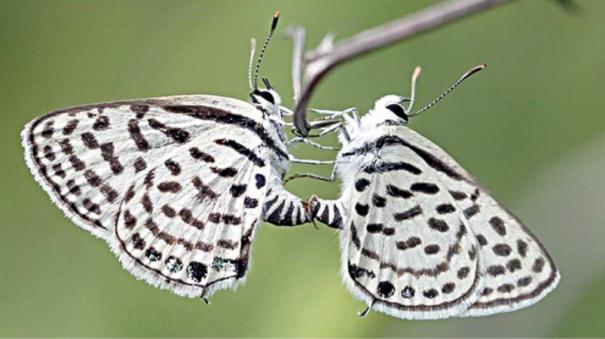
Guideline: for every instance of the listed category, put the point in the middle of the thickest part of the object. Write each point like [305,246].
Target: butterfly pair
[178,185]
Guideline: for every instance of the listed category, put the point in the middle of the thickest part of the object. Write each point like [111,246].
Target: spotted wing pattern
[406,250]
[517,269]
[514,268]
[175,185]
[191,219]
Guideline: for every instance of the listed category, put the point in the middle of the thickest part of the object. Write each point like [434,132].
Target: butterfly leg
[330,114]
[329,212]
[311,161]
[310,176]
[330,129]
[286,111]
[331,178]
[308,142]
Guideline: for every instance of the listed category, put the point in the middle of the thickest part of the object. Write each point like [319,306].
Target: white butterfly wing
[191,230]
[85,156]
[175,185]
[406,250]
[518,271]
[515,269]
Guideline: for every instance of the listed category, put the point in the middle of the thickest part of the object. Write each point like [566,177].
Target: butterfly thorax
[279,163]
[268,102]
[360,149]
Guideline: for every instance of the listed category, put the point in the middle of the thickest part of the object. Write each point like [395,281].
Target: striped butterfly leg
[297,140]
[329,212]
[283,208]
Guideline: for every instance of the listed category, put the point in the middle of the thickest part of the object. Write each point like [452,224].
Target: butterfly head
[266,98]
[390,108]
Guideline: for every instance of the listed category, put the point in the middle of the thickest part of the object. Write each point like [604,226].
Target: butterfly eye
[398,111]
[267,96]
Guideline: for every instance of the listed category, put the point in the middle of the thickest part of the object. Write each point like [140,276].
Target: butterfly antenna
[265,44]
[415,76]
[456,84]
[251,63]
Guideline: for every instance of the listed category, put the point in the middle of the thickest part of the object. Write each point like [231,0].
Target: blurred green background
[531,128]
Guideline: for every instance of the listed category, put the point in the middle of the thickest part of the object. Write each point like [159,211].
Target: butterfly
[420,238]
[176,185]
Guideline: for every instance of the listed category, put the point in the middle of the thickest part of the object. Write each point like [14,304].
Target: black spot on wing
[431,249]
[169,186]
[438,225]
[204,190]
[397,192]
[471,211]
[89,140]
[378,200]
[237,190]
[502,250]
[227,172]
[362,209]
[196,271]
[139,109]
[409,214]
[173,167]
[260,180]
[101,123]
[197,154]
[521,248]
[430,293]
[458,195]
[408,292]
[385,289]
[70,127]
[425,187]
[250,202]
[374,228]
[137,136]
[361,184]
[445,208]
[411,242]
[498,225]
[177,134]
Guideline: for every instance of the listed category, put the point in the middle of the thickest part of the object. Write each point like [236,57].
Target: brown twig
[319,62]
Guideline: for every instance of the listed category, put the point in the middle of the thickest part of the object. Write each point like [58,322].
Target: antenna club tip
[417,71]
[473,71]
[275,20]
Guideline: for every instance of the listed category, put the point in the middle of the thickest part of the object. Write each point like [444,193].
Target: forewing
[407,251]
[188,223]
[516,269]
[85,157]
